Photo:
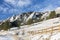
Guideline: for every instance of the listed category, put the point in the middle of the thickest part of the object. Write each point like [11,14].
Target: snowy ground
[6,38]
[45,30]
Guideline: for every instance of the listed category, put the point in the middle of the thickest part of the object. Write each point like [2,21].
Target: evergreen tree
[5,26]
[52,15]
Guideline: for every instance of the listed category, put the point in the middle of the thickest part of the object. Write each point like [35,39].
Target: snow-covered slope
[13,18]
[30,17]
[44,24]
[37,31]
[44,30]
[45,15]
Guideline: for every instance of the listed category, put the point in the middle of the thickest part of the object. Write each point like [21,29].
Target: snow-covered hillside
[45,24]
[42,26]
[45,30]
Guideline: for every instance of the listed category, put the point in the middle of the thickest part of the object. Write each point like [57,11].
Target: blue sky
[10,7]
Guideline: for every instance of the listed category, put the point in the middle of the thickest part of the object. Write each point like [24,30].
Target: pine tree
[5,26]
[52,15]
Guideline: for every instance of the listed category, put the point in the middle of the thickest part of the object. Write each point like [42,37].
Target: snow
[35,37]
[11,33]
[6,38]
[25,26]
[30,17]
[42,25]
[3,32]
[8,35]
[45,15]
[55,37]
[14,28]
[12,19]
[57,10]
[45,24]
[46,36]
[17,17]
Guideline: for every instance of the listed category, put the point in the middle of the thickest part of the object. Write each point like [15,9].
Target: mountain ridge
[29,18]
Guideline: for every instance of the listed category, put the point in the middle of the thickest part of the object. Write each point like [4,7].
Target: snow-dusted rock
[30,17]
